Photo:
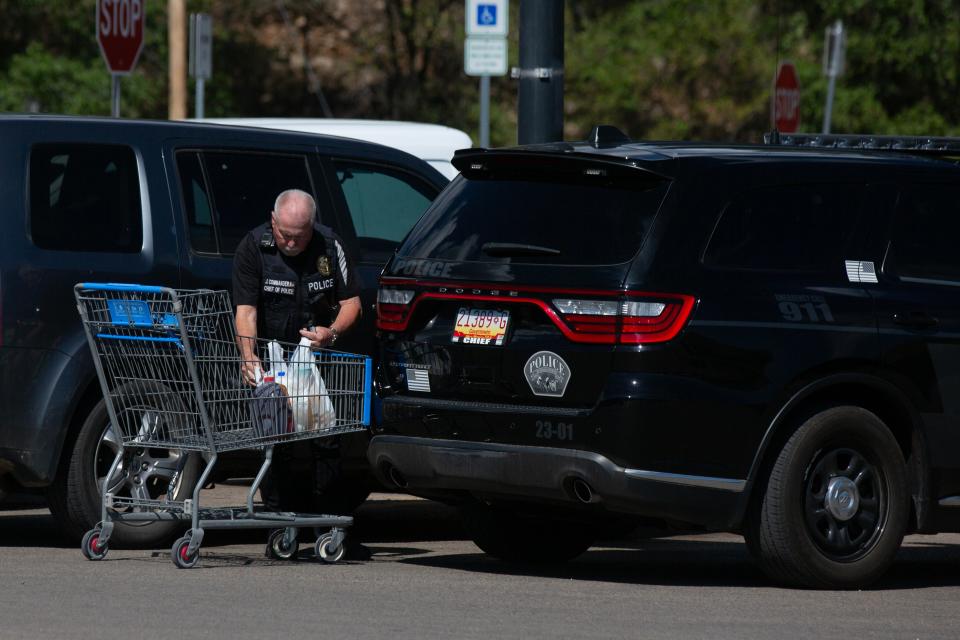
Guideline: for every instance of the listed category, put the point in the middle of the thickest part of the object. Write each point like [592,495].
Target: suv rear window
[577,221]
[786,227]
[85,197]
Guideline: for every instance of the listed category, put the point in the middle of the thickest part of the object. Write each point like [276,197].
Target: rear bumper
[452,469]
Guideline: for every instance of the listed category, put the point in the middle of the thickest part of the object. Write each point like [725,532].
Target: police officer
[292,278]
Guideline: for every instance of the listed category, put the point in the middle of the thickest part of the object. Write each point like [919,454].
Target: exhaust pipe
[584,492]
[395,476]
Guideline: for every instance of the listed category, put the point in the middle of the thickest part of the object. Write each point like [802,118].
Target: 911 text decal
[804,308]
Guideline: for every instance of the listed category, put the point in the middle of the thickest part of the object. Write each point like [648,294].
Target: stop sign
[786,99]
[120,33]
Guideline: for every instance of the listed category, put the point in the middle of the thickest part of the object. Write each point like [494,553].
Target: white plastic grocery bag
[312,407]
[276,363]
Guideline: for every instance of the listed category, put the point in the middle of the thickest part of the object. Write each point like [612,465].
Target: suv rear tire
[75,495]
[505,534]
[835,507]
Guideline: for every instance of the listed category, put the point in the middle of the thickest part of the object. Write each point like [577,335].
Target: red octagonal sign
[786,99]
[120,25]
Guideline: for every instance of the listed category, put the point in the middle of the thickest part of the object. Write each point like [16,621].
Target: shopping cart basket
[171,371]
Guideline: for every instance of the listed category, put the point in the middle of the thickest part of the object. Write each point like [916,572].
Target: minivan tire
[835,506]
[75,498]
[508,536]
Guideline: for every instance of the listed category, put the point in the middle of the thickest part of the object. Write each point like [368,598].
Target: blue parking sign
[487,15]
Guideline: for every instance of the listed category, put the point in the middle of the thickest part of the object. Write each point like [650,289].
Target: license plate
[480,326]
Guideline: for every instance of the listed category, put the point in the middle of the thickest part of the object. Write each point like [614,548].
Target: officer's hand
[319,336]
[250,370]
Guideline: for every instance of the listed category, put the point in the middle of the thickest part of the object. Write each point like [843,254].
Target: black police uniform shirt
[292,292]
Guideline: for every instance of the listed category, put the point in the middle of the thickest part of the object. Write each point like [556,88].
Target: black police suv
[758,339]
[110,200]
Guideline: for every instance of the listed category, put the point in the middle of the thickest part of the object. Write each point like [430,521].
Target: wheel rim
[91,547]
[324,549]
[185,552]
[281,550]
[329,555]
[844,503]
[144,473]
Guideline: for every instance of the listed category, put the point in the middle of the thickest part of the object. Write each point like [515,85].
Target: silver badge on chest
[547,374]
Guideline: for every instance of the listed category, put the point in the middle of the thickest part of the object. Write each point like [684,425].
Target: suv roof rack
[912,144]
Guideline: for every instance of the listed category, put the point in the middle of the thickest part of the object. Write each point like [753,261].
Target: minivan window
[925,232]
[196,203]
[243,188]
[85,197]
[786,227]
[543,221]
[383,203]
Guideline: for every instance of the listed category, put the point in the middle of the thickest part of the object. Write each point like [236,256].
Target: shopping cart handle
[341,355]
[116,286]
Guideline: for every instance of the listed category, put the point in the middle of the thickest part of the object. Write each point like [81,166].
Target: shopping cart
[171,371]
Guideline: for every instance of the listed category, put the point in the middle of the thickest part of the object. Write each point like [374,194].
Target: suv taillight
[393,308]
[596,317]
[640,319]
[591,320]
[649,318]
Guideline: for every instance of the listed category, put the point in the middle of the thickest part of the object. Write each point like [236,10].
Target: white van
[432,142]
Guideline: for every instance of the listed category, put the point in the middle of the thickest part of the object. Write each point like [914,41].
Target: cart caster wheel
[180,555]
[326,551]
[276,548]
[91,547]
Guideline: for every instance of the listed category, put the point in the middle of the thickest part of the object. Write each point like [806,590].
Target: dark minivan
[758,339]
[107,200]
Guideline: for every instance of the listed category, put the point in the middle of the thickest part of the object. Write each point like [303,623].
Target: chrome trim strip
[724,484]
[952,501]
[418,402]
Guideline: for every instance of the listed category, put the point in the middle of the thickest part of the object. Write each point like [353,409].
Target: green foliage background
[669,69]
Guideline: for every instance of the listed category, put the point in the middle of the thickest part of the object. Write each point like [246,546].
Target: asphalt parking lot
[426,580]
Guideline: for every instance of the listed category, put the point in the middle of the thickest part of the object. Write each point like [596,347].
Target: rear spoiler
[554,158]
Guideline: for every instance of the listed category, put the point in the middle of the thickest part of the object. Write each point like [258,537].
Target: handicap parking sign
[487,17]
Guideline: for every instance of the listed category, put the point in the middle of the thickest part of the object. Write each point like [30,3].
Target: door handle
[915,320]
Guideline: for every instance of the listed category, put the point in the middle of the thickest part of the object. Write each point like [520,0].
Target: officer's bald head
[296,207]
[293,216]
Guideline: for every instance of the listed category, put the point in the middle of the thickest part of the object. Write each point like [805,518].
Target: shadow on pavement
[653,561]
[647,556]
[702,561]
[377,520]
[32,528]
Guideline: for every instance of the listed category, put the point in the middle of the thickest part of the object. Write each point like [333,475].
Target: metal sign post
[485,51]
[115,95]
[201,56]
[833,62]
